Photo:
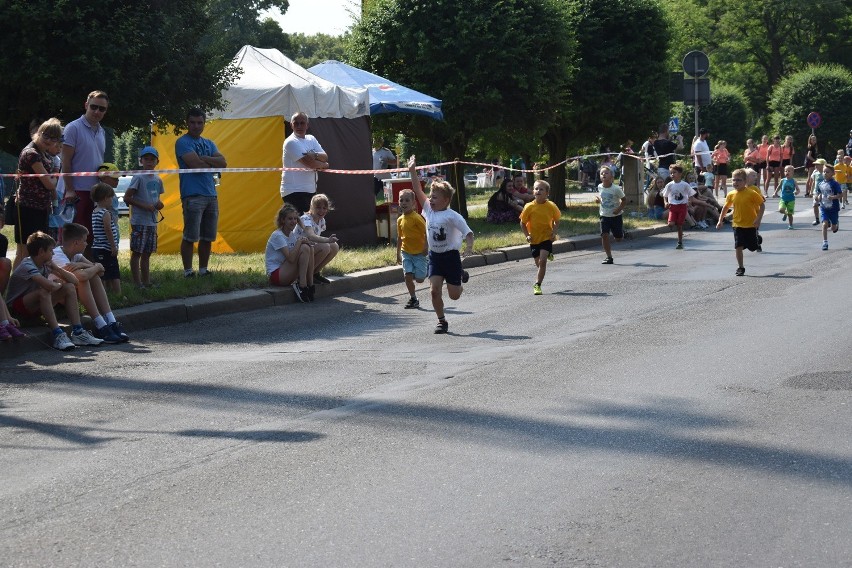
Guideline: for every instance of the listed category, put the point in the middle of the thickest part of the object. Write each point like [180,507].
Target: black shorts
[614,225]
[745,238]
[109,262]
[448,265]
[301,200]
[722,169]
[535,249]
[785,162]
[760,166]
[29,221]
[774,164]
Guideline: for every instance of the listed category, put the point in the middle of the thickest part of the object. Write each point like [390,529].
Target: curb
[171,312]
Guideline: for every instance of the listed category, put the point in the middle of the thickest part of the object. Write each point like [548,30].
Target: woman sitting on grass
[502,206]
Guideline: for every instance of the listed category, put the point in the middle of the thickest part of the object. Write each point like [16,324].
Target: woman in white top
[289,255]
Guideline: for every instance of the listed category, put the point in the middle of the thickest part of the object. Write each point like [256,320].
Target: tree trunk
[556,141]
[455,176]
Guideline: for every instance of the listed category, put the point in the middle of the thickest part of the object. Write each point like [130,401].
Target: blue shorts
[830,215]
[109,262]
[200,218]
[416,264]
[446,265]
[614,225]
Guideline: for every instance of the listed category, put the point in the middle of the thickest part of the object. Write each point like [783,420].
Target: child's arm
[129,198]
[398,248]
[468,240]
[113,246]
[46,283]
[553,235]
[760,213]
[722,214]
[622,204]
[64,274]
[415,181]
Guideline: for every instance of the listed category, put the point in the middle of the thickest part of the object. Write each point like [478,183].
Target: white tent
[250,132]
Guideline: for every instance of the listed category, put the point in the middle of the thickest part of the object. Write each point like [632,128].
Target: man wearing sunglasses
[83,148]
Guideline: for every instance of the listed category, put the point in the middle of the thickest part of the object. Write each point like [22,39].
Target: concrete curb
[172,312]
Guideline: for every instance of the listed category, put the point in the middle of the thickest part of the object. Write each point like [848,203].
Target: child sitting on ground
[539,222]
[90,288]
[143,197]
[411,249]
[105,235]
[445,230]
[290,255]
[33,293]
[313,225]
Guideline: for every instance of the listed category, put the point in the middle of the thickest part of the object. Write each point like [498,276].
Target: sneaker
[321,279]
[550,257]
[84,338]
[679,246]
[843,206]
[607,260]
[824,245]
[205,272]
[119,331]
[790,227]
[189,274]
[537,289]
[412,303]
[784,217]
[298,291]
[465,276]
[309,292]
[442,326]
[14,332]
[740,271]
[815,223]
[62,343]
[106,334]
[4,335]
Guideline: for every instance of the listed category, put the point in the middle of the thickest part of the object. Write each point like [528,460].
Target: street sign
[814,120]
[703,88]
[674,125]
[696,64]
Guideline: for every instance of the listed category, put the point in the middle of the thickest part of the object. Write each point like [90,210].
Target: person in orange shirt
[843,175]
[721,157]
[762,152]
[787,152]
[773,169]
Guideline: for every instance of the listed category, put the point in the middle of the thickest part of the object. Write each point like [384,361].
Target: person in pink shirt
[773,159]
[762,152]
[721,157]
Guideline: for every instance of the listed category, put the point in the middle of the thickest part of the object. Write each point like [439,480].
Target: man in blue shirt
[198,192]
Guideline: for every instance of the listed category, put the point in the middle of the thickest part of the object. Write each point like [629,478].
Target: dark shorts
[143,238]
[774,164]
[29,221]
[447,265]
[614,225]
[535,249]
[109,262]
[722,169]
[301,200]
[785,162]
[760,166]
[745,238]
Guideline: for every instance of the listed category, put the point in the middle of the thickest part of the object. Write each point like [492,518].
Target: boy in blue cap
[143,197]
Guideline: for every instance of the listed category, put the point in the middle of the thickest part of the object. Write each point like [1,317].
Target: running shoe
[85,339]
[62,343]
[299,292]
[465,276]
[442,327]
[119,331]
[412,303]
[537,289]
[107,335]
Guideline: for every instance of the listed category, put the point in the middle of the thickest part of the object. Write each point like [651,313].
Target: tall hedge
[727,117]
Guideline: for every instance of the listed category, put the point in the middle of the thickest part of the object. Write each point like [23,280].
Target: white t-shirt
[678,192]
[308,221]
[276,245]
[445,229]
[294,150]
[381,158]
[610,199]
[61,259]
[702,153]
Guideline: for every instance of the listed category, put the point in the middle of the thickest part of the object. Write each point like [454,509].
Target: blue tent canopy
[385,96]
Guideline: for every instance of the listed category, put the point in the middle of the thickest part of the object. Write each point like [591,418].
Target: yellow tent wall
[249,201]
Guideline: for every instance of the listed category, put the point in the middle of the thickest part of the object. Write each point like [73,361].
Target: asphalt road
[657,412]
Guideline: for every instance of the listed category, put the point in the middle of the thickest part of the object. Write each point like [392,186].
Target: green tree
[620,90]
[491,63]
[234,24]
[309,50]
[727,117]
[826,89]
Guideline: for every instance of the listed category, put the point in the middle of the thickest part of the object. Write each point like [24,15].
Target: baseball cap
[820,161]
[149,150]
[109,167]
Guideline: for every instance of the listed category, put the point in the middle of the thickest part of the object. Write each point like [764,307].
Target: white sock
[100,322]
[110,319]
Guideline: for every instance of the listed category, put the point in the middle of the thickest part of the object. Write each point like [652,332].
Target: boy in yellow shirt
[843,175]
[748,208]
[539,221]
[411,249]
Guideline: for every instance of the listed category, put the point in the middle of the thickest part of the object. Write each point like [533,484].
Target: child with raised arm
[445,230]
[676,195]
[313,225]
[748,208]
[789,190]
[105,235]
[612,201]
[539,221]
[290,256]
[829,194]
[33,293]
[411,249]
[90,287]
[143,197]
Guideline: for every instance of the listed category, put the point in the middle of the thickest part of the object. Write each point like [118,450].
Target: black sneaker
[442,326]
[299,292]
[465,276]
[607,260]
[740,271]
[412,303]
[309,292]
[321,279]
[107,335]
[119,331]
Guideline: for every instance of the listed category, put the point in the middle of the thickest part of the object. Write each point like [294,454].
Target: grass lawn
[246,270]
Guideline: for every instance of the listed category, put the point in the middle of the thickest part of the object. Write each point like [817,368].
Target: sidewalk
[185,310]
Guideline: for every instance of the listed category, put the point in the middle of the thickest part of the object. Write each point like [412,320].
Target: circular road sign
[696,64]
[814,120]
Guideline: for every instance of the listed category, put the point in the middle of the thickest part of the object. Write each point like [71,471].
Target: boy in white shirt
[676,196]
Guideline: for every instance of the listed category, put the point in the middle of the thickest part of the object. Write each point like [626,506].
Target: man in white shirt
[301,150]
[382,160]
[701,155]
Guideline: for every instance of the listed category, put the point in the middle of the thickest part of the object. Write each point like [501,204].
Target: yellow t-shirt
[538,219]
[842,172]
[746,204]
[411,228]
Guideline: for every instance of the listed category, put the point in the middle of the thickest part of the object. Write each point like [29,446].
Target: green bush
[826,89]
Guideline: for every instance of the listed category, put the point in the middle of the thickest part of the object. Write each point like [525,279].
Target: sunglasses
[97,107]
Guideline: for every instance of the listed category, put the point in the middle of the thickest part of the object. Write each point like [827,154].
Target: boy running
[612,201]
[539,221]
[411,247]
[748,208]
[676,195]
[828,194]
